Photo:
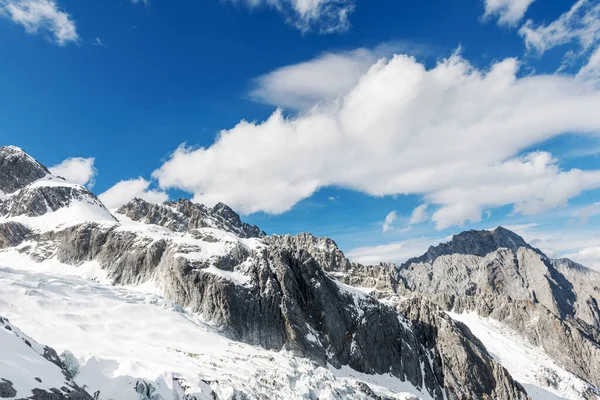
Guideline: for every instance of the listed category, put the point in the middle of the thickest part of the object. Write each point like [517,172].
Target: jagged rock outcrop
[18,169]
[47,196]
[33,371]
[326,252]
[184,216]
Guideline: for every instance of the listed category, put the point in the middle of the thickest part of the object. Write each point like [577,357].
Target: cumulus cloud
[580,24]
[324,16]
[77,170]
[41,16]
[419,215]
[508,12]
[388,224]
[124,191]
[452,133]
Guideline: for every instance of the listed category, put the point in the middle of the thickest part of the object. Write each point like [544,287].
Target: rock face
[18,169]
[283,298]
[509,268]
[33,371]
[184,216]
[572,344]
[332,259]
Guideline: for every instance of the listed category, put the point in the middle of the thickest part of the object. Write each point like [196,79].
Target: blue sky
[482,112]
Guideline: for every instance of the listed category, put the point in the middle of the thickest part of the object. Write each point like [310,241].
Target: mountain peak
[18,169]
[474,242]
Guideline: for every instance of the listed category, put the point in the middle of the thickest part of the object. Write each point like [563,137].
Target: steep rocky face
[18,169]
[522,274]
[332,259]
[477,243]
[572,343]
[184,216]
[33,371]
[464,359]
[279,297]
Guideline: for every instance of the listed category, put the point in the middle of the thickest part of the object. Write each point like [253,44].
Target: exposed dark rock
[7,389]
[12,234]
[18,169]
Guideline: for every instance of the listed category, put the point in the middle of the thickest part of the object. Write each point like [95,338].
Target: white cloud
[588,212]
[388,224]
[533,183]
[452,133]
[397,252]
[124,191]
[558,242]
[325,16]
[419,215]
[321,80]
[580,24]
[508,12]
[77,170]
[41,16]
[591,70]
[588,257]
[301,86]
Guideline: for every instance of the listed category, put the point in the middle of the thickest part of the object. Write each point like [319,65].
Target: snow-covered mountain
[182,301]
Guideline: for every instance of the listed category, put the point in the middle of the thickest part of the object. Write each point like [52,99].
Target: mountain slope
[202,271]
[33,370]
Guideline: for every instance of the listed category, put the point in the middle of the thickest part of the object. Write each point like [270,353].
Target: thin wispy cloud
[41,17]
[419,215]
[507,12]
[580,25]
[323,16]
[98,42]
[388,224]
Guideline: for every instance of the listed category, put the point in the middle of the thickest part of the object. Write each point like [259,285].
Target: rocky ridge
[281,292]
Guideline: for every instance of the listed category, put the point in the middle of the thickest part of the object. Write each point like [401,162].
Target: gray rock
[18,169]
[184,216]
[12,234]
[7,389]
[290,302]
[572,344]
[37,201]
